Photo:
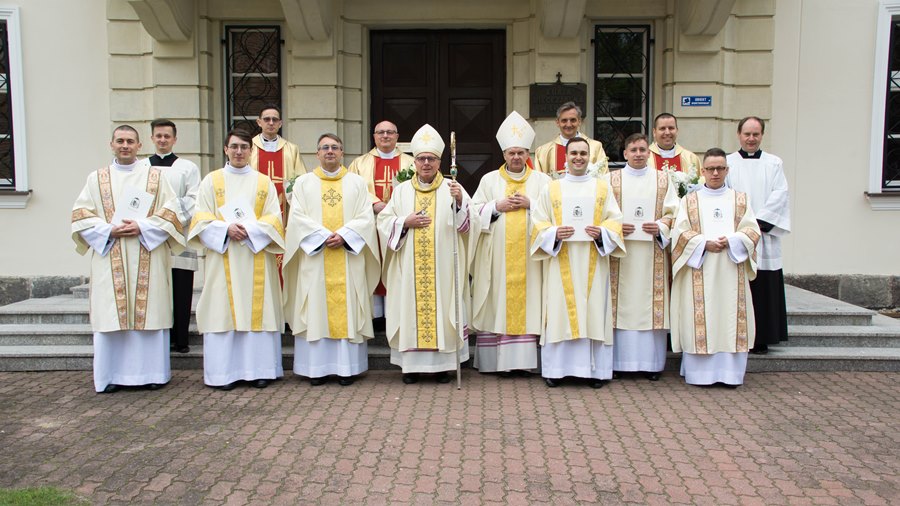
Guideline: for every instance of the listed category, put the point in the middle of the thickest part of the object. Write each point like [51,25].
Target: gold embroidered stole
[117,256]
[423,255]
[335,258]
[741,337]
[259,259]
[516,242]
[700,337]
[565,268]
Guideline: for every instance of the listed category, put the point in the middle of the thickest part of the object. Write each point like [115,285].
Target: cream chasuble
[130,286]
[712,310]
[507,286]
[365,166]
[639,281]
[576,280]
[241,290]
[688,161]
[418,266]
[546,161]
[328,293]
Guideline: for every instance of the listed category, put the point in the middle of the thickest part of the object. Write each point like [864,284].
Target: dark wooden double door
[454,80]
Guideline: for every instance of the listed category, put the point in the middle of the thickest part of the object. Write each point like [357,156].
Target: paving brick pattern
[785,438]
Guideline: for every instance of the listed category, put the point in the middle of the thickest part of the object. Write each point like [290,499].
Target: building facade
[819,72]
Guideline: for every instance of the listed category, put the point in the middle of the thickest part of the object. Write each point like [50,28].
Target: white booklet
[578,212]
[133,205]
[638,211]
[237,211]
[717,217]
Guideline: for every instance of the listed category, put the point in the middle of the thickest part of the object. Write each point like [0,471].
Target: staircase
[825,335]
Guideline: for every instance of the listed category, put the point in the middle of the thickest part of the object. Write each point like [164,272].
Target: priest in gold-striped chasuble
[417,228]
[639,282]
[506,291]
[331,268]
[238,223]
[577,333]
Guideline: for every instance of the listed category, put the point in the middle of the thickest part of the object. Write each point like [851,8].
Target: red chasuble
[667,163]
[384,173]
[272,165]
[560,158]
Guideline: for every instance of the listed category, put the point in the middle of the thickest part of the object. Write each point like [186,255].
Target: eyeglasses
[270,119]
[427,159]
[385,132]
[329,147]
[715,169]
[239,147]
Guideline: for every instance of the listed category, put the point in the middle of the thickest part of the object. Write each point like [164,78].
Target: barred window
[252,73]
[14,191]
[890,168]
[621,85]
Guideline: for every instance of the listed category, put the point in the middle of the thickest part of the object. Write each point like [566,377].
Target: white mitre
[515,132]
[427,140]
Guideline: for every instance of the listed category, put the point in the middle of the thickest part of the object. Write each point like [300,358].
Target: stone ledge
[868,291]
[18,288]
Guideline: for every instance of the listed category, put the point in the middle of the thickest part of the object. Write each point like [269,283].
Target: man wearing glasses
[330,269]
[380,166]
[238,222]
[273,155]
[713,261]
[419,226]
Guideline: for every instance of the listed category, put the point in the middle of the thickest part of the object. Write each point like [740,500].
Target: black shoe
[316,382]
[181,349]
[653,376]
[110,389]
[727,385]
[442,377]
[154,386]
[228,387]
[410,378]
[760,350]
[346,381]
[595,383]
[550,382]
[616,375]
[261,383]
[505,374]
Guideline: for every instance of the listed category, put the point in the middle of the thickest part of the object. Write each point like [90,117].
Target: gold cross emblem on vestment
[331,197]
[386,183]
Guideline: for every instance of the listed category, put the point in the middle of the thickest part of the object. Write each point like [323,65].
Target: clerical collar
[330,173]
[709,191]
[383,155]
[128,167]
[635,172]
[235,170]
[667,153]
[578,179]
[165,155]
[565,142]
[270,146]
[516,176]
[756,155]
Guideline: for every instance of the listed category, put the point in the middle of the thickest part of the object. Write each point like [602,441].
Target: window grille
[7,154]
[890,167]
[252,73]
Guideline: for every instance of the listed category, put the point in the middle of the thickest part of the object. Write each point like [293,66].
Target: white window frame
[18,197]
[880,200]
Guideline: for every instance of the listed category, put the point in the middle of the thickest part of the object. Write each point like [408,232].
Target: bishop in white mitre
[507,288]
[426,308]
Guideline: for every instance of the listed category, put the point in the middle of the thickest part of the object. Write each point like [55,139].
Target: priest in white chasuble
[713,260]
[760,175]
[639,281]
[665,152]
[550,158]
[331,268]
[238,224]
[577,226]
[418,228]
[506,290]
[129,215]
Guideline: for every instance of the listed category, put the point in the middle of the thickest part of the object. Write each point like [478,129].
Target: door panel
[455,80]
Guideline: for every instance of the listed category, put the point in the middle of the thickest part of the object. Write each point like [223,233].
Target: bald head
[386,136]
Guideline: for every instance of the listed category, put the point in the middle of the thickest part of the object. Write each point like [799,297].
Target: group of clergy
[541,265]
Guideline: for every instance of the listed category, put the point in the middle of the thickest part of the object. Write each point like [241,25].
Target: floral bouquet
[595,169]
[289,187]
[686,181]
[405,174]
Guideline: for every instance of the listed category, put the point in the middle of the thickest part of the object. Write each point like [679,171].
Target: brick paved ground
[792,438]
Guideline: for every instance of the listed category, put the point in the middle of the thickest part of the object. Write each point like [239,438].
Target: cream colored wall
[822,104]
[67,110]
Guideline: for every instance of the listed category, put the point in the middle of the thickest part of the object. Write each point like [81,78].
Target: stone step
[804,358]
[809,308]
[80,358]
[851,336]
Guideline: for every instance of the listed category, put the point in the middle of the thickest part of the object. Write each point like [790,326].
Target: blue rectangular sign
[696,101]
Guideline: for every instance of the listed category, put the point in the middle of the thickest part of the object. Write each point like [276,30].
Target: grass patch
[41,496]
